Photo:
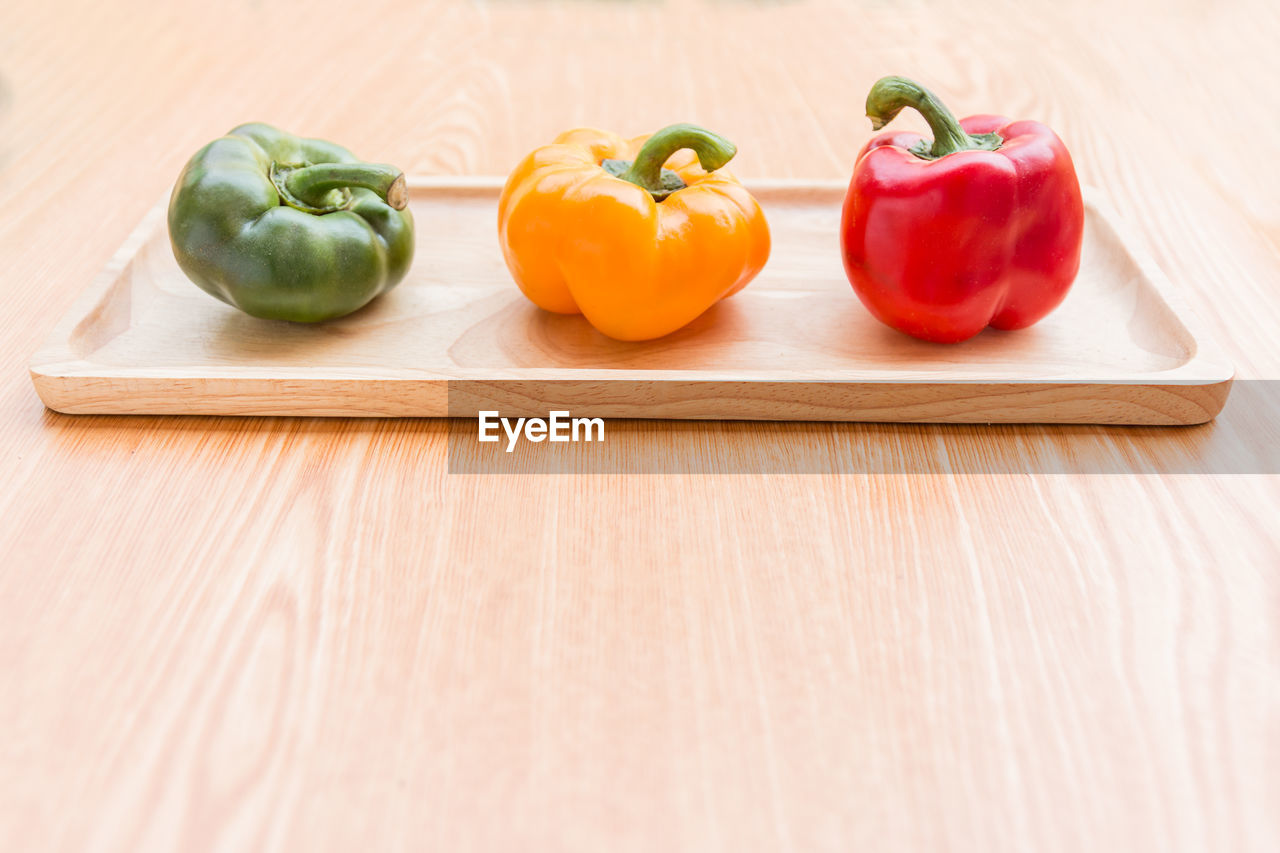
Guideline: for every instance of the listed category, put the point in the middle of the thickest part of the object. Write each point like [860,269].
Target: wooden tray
[457,336]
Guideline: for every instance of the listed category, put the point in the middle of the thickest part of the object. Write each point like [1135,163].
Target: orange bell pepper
[638,249]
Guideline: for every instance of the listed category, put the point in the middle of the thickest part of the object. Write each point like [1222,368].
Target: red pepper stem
[311,184]
[890,95]
[713,152]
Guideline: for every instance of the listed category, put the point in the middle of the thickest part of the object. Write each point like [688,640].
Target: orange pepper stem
[713,152]
[890,95]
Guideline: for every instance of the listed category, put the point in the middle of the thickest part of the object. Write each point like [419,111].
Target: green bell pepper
[288,228]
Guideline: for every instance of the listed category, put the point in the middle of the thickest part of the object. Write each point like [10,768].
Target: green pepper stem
[713,152]
[890,95]
[311,183]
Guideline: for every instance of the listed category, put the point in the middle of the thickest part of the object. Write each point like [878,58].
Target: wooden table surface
[303,634]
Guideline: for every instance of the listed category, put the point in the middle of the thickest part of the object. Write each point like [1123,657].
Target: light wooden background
[242,634]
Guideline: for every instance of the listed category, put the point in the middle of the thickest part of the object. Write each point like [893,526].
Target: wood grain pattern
[456,337]
[225,633]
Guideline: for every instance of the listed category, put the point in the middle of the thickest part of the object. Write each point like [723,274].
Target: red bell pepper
[982,226]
